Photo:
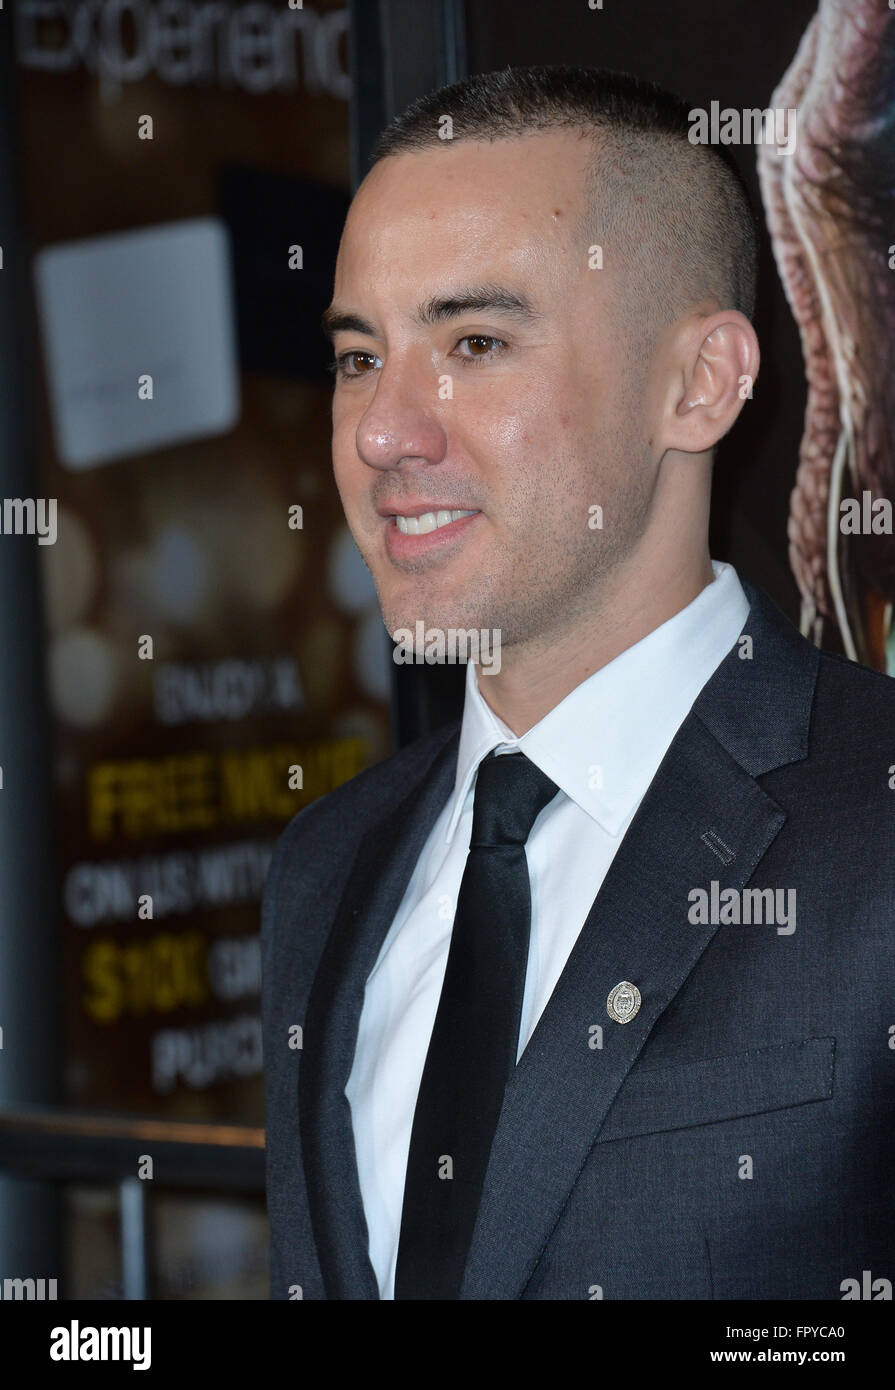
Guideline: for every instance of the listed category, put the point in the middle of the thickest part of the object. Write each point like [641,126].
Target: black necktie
[475,1036]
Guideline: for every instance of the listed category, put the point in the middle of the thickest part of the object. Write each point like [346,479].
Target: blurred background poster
[195,655]
[215,657]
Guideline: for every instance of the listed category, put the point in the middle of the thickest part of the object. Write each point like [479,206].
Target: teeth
[429,521]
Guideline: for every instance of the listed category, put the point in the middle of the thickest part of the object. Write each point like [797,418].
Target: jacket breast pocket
[653,1099]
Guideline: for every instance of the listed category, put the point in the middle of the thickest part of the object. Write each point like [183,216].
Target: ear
[717,364]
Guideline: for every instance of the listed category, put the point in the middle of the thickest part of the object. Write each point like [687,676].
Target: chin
[407,615]
[404,608]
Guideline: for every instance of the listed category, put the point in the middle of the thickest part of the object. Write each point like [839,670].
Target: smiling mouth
[429,521]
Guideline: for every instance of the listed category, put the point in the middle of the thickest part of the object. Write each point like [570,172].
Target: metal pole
[398,49]
[134,1218]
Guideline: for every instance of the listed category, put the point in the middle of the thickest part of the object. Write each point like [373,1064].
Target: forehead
[468,207]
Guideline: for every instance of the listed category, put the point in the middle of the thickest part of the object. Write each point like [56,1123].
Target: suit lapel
[382,868]
[751,716]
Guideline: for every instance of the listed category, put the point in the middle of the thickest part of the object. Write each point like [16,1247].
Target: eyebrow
[441,308]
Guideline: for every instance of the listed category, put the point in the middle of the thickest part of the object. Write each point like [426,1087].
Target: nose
[402,420]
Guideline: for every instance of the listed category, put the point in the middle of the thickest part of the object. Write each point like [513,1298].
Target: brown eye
[354,364]
[357,358]
[479,347]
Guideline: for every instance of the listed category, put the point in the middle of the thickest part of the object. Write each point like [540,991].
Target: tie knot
[510,793]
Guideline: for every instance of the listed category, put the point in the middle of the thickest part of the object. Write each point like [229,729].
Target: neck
[537,674]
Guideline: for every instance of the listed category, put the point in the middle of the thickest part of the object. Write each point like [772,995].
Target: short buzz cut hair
[675,215]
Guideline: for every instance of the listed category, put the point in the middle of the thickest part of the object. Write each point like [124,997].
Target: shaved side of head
[675,221]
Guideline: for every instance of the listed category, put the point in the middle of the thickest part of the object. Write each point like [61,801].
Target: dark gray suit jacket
[622,1171]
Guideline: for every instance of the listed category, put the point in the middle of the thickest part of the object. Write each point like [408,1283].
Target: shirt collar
[602,745]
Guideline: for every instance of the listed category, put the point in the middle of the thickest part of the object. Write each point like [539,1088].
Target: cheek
[523,443]
[531,461]
[510,449]
[514,439]
[505,436]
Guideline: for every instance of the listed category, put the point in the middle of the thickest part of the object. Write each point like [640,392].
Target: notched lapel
[373,891]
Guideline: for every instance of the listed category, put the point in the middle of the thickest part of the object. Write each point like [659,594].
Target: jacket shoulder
[851,750]
[374,787]
[860,700]
[330,828]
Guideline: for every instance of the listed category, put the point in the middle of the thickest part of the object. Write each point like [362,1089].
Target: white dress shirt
[602,746]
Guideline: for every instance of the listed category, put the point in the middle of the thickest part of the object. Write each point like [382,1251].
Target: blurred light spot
[83,678]
[179,574]
[70,572]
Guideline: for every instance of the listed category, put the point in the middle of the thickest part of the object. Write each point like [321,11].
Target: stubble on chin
[434,613]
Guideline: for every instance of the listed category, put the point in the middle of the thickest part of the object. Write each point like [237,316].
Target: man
[594,988]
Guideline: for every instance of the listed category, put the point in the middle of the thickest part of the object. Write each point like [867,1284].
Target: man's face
[524,410]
